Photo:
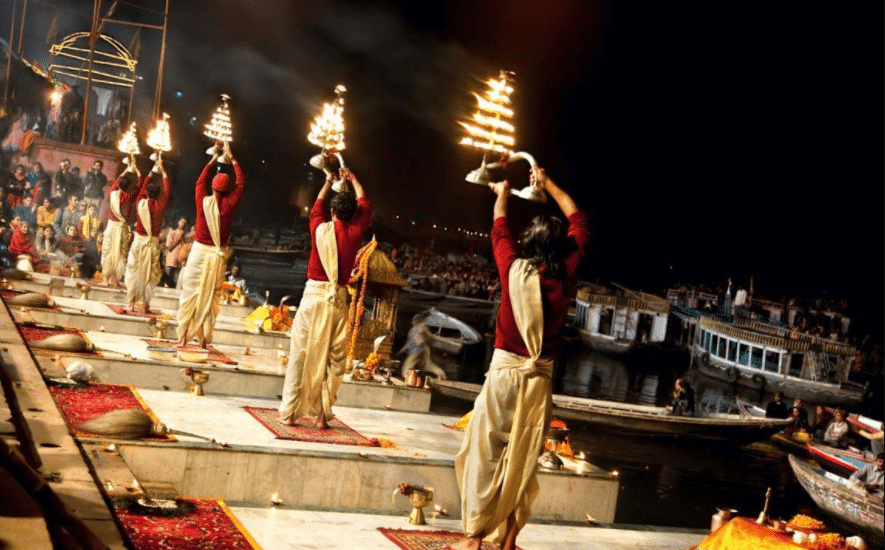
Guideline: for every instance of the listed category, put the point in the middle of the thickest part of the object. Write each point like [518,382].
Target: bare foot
[286,421]
[509,542]
[467,543]
[203,343]
[321,423]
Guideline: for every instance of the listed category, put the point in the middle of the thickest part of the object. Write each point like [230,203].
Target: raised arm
[239,177]
[201,189]
[502,189]
[565,202]
[358,190]
[324,191]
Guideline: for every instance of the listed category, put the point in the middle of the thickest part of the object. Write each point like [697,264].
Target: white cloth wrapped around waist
[503,359]
[329,291]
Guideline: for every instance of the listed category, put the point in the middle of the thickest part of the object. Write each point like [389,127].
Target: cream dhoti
[143,267]
[201,281]
[497,464]
[317,350]
[113,247]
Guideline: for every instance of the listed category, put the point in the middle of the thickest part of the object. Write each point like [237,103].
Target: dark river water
[663,482]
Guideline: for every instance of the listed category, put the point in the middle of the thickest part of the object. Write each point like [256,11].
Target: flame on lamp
[275,499]
[489,129]
[129,142]
[219,128]
[158,139]
[327,129]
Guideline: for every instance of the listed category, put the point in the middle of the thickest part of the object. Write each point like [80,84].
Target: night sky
[705,139]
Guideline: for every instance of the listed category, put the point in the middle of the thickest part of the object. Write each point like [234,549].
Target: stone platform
[250,464]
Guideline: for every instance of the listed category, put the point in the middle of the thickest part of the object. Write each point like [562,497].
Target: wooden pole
[131,96]
[93,37]
[21,32]
[159,93]
[9,59]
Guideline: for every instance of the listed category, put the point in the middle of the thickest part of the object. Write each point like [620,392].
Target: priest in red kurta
[143,269]
[316,353]
[203,274]
[120,197]
[497,464]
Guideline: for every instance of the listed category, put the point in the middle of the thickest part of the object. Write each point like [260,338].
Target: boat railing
[775,337]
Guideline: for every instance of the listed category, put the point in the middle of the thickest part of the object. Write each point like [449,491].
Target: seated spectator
[821,420]
[22,243]
[836,432]
[46,214]
[89,223]
[46,242]
[800,404]
[70,245]
[798,423]
[234,278]
[683,403]
[777,408]
[27,211]
[871,476]
[876,440]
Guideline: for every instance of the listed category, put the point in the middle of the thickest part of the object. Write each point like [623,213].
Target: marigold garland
[357,306]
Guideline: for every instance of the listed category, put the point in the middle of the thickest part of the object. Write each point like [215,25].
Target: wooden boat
[763,357]
[794,442]
[448,334]
[842,462]
[845,504]
[619,321]
[643,420]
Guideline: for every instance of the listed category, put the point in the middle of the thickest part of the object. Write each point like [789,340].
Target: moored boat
[767,358]
[643,420]
[842,462]
[618,322]
[845,504]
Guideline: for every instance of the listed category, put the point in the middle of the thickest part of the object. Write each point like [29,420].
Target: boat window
[796,364]
[714,343]
[772,361]
[732,350]
[744,354]
[721,351]
[756,358]
[446,332]
[702,337]
[605,321]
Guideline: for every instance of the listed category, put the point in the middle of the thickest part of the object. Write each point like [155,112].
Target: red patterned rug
[338,433]
[215,356]
[120,309]
[413,539]
[35,334]
[211,525]
[83,404]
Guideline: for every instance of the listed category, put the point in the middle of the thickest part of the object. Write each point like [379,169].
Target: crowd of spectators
[454,275]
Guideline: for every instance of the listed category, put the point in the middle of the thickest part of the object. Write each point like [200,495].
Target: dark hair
[880,456]
[153,190]
[344,206]
[546,241]
[100,162]
[128,181]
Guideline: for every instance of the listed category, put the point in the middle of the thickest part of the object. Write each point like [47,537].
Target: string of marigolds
[357,305]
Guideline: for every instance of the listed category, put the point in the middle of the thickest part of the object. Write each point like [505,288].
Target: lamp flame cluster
[128,143]
[159,139]
[490,128]
[327,129]
[219,127]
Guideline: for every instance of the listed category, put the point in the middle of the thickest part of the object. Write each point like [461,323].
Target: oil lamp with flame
[129,144]
[327,132]
[159,140]
[219,129]
[491,131]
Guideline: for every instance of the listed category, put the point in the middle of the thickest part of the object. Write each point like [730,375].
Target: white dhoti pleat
[113,251]
[201,280]
[143,268]
[497,464]
[317,349]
